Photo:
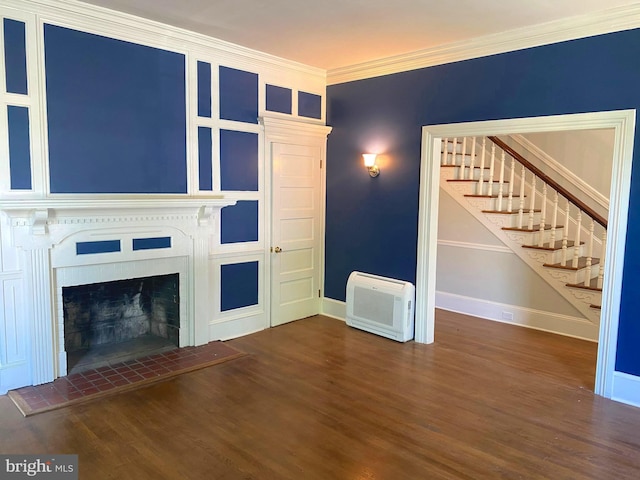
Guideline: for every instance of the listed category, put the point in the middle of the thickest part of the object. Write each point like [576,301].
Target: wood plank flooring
[315,399]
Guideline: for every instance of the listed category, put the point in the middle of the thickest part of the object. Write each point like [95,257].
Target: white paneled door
[296,232]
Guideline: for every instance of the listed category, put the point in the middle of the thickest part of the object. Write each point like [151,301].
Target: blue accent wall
[239,285]
[15,56]
[238,95]
[151,243]
[372,223]
[101,246]
[204,89]
[116,115]
[19,148]
[278,99]
[204,159]
[309,105]
[238,160]
[239,222]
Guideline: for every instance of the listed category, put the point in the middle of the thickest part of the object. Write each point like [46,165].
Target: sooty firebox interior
[111,322]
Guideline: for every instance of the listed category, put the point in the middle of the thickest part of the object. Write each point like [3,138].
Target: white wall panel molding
[475,246]
[613,20]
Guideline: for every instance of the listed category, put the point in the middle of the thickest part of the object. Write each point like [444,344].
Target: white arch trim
[623,123]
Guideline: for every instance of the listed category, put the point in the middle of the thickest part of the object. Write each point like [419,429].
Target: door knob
[277,249]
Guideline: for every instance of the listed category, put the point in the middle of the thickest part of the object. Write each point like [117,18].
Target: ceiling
[336,33]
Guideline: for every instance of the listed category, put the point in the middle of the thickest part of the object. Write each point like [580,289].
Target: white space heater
[381,305]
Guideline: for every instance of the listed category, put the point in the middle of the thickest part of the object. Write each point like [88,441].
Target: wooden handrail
[551,182]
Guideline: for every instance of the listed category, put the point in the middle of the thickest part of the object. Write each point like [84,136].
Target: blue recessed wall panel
[100,246]
[309,105]
[239,285]
[204,89]
[19,148]
[386,114]
[204,159]
[238,160]
[15,56]
[116,115]
[238,95]
[239,222]
[278,99]
[151,243]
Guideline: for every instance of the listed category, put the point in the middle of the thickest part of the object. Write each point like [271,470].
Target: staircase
[562,239]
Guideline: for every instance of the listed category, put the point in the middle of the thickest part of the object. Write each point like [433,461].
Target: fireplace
[65,243]
[112,322]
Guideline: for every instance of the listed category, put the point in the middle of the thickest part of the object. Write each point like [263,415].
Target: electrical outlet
[507,316]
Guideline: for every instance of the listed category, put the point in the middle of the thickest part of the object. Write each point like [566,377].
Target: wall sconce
[370,163]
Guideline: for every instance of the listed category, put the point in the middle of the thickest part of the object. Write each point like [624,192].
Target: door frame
[283,130]
[623,123]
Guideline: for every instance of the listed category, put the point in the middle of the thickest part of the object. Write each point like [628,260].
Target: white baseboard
[626,389]
[334,308]
[515,315]
[237,327]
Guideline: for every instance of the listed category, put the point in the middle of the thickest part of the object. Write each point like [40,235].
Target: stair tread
[582,263]
[474,195]
[593,285]
[467,166]
[557,245]
[459,153]
[536,228]
[472,180]
[512,212]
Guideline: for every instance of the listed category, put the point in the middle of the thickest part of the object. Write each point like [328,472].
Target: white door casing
[623,123]
[295,168]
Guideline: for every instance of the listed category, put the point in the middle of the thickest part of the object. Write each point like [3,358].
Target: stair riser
[455,173]
[533,238]
[511,220]
[544,256]
[472,188]
[592,297]
[570,276]
[556,256]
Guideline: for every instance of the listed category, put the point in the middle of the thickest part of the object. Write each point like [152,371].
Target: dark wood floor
[318,400]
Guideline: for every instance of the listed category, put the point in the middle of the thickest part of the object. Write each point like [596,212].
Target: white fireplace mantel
[47,231]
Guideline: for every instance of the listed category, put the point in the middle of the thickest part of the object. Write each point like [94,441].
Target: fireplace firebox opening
[117,321]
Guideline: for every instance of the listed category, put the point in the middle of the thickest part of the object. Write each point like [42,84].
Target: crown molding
[606,21]
[139,29]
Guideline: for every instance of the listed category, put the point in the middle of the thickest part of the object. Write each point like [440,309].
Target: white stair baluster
[491,169]
[445,149]
[480,182]
[521,209]
[473,158]
[454,152]
[587,276]
[463,159]
[543,215]
[602,260]
[576,249]
[511,178]
[532,203]
[554,220]
[565,235]
[501,182]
